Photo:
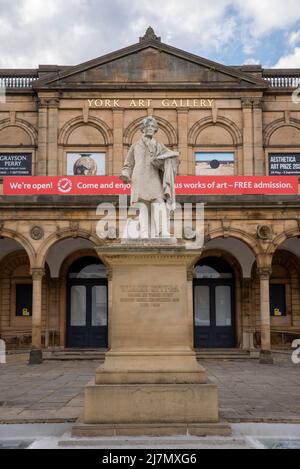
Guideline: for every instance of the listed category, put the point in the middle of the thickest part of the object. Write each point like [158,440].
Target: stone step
[89,355]
[222,354]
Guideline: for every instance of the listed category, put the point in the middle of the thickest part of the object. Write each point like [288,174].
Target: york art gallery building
[225,121]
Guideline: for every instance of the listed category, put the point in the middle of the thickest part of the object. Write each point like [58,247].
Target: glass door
[214,305]
[87,318]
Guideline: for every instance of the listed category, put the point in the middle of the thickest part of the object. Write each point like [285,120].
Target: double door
[214,314]
[87,314]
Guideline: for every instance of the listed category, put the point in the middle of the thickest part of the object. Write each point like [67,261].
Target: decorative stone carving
[37,233]
[247,103]
[264,273]
[226,225]
[37,274]
[74,227]
[264,232]
[150,36]
[257,104]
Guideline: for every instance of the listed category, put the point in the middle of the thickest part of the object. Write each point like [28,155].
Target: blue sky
[68,32]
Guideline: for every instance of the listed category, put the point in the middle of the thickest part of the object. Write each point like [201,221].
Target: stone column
[259,166]
[248,137]
[183,140]
[36,356]
[118,126]
[41,165]
[53,137]
[264,278]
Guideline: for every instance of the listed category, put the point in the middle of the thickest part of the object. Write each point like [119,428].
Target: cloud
[291,60]
[294,38]
[67,32]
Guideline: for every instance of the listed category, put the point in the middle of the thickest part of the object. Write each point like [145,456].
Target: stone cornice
[122,255]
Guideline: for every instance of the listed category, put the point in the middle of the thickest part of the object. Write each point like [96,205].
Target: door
[87,318]
[214,305]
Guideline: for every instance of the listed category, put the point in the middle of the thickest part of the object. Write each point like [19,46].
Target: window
[213,268]
[215,164]
[278,300]
[88,268]
[86,164]
[24,301]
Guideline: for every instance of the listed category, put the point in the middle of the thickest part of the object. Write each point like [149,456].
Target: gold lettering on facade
[149,103]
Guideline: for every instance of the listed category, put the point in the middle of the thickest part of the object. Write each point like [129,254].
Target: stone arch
[278,124]
[69,261]
[280,239]
[289,276]
[26,245]
[11,262]
[165,126]
[228,257]
[14,260]
[288,260]
[26,127]
[234,233]
[93,122]
[62,235]
[223,122]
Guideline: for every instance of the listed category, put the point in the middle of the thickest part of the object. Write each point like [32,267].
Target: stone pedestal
[150,375]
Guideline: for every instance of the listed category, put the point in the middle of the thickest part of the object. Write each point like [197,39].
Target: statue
[151,168]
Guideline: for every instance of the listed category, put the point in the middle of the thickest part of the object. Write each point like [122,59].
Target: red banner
[185,185]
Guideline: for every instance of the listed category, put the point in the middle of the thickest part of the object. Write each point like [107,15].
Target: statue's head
[149,126]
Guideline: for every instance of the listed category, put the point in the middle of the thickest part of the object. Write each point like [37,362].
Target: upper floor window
[86,164]
[215,164]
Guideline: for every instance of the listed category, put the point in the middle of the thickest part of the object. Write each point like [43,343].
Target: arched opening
[87,304]
[284,304]
[16,297]
[214,304]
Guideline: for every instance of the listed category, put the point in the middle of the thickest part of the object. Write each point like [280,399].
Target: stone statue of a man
[151,168]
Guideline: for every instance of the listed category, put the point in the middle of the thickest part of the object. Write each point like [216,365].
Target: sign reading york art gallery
[284,164]
[149,103]
[15,164]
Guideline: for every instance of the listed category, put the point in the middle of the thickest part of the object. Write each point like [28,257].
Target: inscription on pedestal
[150,296]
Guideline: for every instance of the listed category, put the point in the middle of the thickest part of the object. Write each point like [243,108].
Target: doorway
[87,304]
[214,304]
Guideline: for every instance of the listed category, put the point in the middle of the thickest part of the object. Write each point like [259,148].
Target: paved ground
[53,392]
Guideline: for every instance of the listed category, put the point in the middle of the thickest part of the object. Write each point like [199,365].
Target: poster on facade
[15,164]
[214,164]
[86,164]
[284,164]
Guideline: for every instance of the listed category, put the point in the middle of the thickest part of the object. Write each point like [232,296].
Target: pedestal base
[81,430]
[150,377]
[156,367]
[36,357]
[151,404]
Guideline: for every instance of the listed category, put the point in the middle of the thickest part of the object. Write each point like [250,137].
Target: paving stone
[247,390]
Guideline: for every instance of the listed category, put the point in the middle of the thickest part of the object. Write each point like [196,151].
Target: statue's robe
[152,169]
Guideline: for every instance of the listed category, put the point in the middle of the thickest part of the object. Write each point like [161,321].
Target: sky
[69,32]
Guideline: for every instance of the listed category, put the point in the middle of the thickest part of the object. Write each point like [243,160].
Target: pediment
[150,63]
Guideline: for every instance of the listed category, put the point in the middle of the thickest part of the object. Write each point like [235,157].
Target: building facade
[57,121]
